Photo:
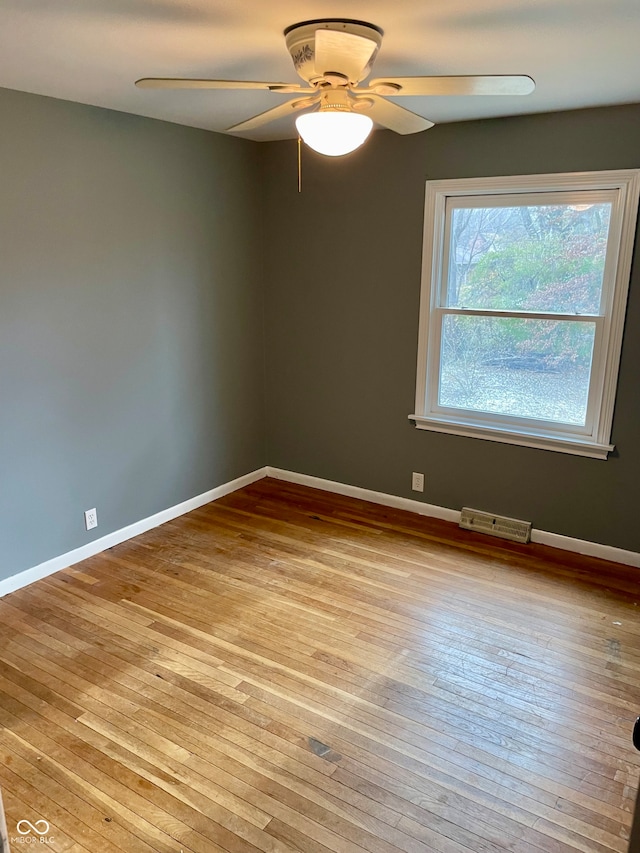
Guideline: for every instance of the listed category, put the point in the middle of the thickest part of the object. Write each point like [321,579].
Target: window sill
[540,441]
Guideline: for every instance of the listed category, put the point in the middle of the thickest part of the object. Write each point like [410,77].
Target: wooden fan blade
[186,83]
[393,116]
[497,84]
[280,111]
[343,52]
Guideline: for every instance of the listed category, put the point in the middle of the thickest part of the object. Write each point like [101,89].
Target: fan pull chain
[299,165]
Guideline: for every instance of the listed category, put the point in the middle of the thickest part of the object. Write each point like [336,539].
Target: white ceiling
[581,53]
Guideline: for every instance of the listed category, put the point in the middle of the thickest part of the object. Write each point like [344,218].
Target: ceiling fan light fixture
[333,56]
[334,132]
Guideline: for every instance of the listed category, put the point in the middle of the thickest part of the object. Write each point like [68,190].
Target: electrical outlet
[417,482]
[91,518]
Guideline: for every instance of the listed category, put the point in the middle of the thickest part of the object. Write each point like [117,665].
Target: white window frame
[622,187]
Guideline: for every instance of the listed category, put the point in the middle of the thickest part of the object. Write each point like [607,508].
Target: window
[524,288]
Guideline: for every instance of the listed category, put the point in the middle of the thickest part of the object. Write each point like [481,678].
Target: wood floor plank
[290,670]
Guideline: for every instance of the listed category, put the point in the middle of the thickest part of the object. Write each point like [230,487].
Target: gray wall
[343,261]
[131,320]
[133,259]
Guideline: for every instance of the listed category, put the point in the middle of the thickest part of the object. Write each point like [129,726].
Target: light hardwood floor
[289,670]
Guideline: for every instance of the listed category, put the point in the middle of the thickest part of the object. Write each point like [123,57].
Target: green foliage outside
[534,259]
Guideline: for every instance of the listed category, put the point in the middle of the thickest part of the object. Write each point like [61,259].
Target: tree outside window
[524,288]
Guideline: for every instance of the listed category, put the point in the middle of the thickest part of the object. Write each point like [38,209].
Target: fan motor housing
[301,44]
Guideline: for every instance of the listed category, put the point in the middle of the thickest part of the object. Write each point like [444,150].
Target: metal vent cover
[495,525]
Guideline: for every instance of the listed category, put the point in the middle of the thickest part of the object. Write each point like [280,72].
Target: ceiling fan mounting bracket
[334,24]
[316,56]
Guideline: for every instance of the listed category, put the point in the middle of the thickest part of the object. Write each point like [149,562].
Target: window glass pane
[533,258]
[524,368]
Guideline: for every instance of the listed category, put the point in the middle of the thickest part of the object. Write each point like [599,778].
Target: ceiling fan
[333,57]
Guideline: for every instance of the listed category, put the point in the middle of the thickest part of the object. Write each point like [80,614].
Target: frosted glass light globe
[334,132]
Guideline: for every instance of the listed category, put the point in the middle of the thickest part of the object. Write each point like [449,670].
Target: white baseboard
[542,537]
[22,579]
[394,501]
[584,546]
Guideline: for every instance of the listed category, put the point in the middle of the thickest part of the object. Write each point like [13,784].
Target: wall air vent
[495,525]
